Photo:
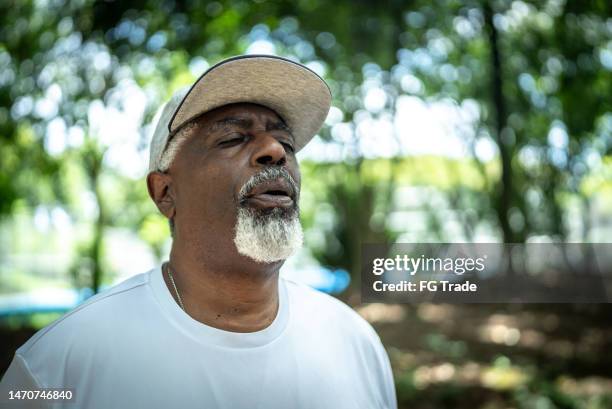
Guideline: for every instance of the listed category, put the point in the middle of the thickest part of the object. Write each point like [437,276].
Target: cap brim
[297,94]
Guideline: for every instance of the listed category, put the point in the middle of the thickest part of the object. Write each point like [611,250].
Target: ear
[160,189]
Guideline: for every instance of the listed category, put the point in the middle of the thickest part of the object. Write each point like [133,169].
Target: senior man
[215,326]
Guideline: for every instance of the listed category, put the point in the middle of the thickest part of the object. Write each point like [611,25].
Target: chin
[268,236]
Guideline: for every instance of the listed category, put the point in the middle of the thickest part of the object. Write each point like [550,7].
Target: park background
[452,121]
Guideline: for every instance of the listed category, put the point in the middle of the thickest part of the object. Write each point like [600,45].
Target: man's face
[235,175]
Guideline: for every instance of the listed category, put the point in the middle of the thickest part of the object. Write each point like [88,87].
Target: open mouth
[277,193]
[273,193]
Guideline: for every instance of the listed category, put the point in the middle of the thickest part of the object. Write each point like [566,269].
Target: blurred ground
[498,356]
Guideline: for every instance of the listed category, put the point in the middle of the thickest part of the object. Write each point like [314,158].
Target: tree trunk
[504,191]
[94,163]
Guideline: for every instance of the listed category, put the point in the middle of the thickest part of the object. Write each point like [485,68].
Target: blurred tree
[539,74]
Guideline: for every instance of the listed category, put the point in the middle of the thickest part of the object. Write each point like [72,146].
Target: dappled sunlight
[435,313]
[590,386]
[500,334]
[503,377]
[499,351]
[500,329]
[532,339]
[499,376]
[381,313]
[425,375]
[469,374]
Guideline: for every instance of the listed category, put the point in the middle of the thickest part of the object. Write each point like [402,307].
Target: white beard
[267,238]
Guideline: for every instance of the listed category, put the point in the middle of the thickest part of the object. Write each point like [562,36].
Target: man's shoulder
[315,305]
[93,313]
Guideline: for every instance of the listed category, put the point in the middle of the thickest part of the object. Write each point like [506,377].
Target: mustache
[266,175]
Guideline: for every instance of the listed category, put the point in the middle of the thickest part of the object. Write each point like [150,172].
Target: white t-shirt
[133,347]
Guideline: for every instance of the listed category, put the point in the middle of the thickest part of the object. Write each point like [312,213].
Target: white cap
[296,93]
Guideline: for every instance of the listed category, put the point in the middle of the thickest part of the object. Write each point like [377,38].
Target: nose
[269,151]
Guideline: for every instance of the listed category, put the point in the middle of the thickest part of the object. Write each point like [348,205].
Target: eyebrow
[279,126]
[243,123]
[246,123]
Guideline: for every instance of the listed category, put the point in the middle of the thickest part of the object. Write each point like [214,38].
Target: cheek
[298,178]
[215,188]
[295,173]
[214,184]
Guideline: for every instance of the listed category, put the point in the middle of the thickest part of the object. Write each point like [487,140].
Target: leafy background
[517,91]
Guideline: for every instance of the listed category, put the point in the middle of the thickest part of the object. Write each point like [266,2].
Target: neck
[239,297]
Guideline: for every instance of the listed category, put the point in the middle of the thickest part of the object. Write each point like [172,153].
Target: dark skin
[220,287]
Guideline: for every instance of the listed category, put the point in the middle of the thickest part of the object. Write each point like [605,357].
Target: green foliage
[543,102]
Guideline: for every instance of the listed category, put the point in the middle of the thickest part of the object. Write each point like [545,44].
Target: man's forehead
[240,114]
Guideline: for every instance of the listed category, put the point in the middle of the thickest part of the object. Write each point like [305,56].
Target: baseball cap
[296,93]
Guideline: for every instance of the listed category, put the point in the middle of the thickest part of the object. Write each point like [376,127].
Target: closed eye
[288,147]
[233,140]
